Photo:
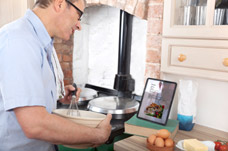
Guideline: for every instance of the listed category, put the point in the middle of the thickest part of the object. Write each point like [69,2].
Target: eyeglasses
[78,10]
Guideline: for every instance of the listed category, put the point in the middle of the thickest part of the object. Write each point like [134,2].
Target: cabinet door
[198,58]
[13,9]
[196,19]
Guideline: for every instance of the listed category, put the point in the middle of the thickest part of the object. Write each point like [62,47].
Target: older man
[28,83]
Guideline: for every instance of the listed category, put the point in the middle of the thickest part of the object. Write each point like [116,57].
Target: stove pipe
[124,83]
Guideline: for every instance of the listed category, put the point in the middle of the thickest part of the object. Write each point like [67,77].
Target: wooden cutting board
[133,143]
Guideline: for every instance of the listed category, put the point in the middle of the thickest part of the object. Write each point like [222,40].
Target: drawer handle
[182,58]
[225,62]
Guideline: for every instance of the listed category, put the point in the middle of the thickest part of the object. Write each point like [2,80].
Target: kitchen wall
[212,102]
[150,10]
[95,58]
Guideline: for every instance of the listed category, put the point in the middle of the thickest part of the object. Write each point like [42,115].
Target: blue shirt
[26,79]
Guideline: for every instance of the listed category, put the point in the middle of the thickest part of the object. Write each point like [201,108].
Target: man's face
[70,19]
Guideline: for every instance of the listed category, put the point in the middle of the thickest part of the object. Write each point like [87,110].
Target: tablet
[157,100]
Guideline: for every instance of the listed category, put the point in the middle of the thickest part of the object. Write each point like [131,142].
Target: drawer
[199,58]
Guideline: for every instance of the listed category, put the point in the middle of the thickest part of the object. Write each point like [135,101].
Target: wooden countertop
[137,143]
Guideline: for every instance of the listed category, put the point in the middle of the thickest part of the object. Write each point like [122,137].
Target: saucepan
[86,95]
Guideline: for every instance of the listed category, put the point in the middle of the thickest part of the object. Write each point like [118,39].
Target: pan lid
[87,94]
[113,105]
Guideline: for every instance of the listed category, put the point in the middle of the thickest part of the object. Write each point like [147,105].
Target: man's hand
[104,131]
[67,98]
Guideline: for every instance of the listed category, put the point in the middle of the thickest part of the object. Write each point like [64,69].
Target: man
[28,83]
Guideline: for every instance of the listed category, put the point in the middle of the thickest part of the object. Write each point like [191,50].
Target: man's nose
[78,26]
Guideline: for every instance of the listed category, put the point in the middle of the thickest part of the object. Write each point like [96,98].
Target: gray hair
[46,3]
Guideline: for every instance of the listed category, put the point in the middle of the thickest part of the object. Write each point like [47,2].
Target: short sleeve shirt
[26,79]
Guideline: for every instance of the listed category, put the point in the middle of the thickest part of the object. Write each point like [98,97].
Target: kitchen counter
[136,143]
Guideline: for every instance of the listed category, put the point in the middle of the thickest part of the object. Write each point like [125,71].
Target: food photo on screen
[157,100]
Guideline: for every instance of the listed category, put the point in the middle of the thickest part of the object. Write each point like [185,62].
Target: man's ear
[58,5]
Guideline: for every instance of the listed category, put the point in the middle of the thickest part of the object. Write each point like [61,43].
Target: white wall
[95,57]
[11,10]
[212,102]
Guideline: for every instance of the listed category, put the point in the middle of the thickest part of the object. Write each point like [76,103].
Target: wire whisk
[73,104]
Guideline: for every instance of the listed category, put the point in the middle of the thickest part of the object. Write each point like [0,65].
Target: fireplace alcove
[95,53]
[150,11]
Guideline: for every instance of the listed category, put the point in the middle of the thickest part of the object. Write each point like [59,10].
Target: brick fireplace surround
[150,10]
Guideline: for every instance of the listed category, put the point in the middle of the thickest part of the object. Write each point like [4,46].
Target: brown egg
[151,139]
[168,142]
[159,142]
[163,133]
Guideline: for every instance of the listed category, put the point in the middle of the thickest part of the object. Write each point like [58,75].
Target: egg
[159,142]
[151,139]
[163,133]
[168,142]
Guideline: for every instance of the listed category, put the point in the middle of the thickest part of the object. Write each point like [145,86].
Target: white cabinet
[192,45]
[179,14]
[200,58]
[13,9]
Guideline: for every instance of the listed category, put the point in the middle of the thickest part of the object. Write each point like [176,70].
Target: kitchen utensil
[200,15]
[87,118]
[189,15]
[73,104]
[226,17]
[120,108]
[219,16]
[86,95]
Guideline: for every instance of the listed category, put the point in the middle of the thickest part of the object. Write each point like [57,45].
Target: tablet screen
[157,100]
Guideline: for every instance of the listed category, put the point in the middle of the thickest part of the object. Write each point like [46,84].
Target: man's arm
[37,123]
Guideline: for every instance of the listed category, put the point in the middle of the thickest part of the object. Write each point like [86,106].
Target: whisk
[73,104]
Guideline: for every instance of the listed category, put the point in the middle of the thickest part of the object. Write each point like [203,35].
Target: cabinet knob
[182,58]
[225,62]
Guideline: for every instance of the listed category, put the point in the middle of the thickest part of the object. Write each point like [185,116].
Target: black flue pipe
[124,83]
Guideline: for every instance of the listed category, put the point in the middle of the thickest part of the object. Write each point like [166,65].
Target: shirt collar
[39,28]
